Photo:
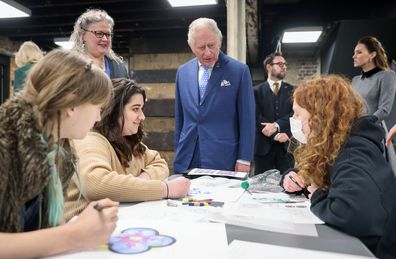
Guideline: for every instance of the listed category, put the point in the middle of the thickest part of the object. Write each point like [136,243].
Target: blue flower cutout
[138,240]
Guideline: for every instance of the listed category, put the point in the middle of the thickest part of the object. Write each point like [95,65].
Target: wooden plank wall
[156,73]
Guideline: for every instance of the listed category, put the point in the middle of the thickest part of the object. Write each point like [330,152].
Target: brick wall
[156,73]
[8,48]
[302,67]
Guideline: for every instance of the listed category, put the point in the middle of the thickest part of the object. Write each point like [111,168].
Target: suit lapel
[193,91]
[268,96]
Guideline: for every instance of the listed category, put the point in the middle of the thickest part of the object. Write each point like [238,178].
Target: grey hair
[202,23]
[89,17]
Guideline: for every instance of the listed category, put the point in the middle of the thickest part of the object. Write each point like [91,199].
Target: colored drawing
[196,191]
[138,240]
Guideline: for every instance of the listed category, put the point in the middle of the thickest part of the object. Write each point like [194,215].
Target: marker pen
[98,207]
[304,189]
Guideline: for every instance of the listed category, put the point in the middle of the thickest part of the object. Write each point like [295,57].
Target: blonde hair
[334,107]
[202,23]
[28,52]
[64,79]
[83,22]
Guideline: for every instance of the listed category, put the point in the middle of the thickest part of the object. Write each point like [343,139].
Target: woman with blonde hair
[62,99]
[339,159]
[28,54]
[93,35]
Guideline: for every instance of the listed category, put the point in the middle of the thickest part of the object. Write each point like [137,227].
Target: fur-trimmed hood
[24,169]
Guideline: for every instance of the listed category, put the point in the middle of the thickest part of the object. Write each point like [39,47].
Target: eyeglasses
[99,34]
[281,64]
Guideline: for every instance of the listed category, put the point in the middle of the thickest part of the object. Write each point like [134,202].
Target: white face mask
[296,130]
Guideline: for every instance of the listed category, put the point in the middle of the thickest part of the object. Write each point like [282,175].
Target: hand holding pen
[95,224]
[293,183]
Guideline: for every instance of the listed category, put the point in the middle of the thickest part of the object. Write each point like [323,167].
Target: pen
[304,189]
[188,199]
[98,207]
[198,204]
[245,185]
[205,200]
[196,200]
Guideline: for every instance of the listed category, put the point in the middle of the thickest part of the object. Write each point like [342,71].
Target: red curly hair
[334,107]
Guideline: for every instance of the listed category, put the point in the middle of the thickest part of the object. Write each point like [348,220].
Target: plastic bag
[264,182]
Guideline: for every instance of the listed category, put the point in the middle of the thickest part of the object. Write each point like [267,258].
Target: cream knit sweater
[102,176]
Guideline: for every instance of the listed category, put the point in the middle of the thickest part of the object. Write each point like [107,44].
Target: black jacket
[271,108]
[387,245]
[362,188]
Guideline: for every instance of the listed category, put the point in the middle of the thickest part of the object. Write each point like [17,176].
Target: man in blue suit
[215,108]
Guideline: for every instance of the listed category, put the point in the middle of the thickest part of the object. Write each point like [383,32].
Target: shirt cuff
[243,162]
[277,126]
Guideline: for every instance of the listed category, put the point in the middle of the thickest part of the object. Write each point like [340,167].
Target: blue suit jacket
[224,121]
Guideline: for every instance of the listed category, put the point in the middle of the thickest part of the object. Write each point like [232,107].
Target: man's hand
[239,167]
[281,137]
[269,128]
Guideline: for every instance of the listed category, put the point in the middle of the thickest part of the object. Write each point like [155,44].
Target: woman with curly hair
[113,161]
[340,160]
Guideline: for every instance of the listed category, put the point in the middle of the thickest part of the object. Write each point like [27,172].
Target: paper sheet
[200,171]
[269,197]
[289,218]
[210,181]
[192,240]
[218,190]
[298,213]
[242,249]
[158,210]
[266,224]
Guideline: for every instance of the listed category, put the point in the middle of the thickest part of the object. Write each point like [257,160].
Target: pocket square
[225,83]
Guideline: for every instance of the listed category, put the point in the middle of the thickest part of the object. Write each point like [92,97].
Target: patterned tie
[203,81]
[276,88]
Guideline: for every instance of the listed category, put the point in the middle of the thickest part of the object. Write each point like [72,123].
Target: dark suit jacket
[271,108]
[223,123]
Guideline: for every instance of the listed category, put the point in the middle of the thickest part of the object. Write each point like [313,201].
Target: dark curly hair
[109,126]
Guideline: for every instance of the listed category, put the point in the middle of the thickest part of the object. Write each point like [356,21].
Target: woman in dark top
[340,161]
